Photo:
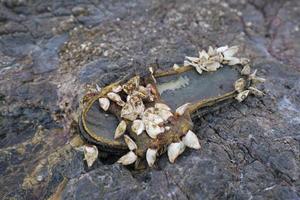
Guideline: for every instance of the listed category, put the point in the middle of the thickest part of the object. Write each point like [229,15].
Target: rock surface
[49,51]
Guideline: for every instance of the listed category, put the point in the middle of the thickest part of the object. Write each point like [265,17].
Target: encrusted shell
[138,126]
[151,156]
[90,154]
[120,130]
[174,150]
[104,103]
[191,140]
[128,158]
[130,143]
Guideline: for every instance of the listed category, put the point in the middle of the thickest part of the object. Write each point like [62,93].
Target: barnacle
[151,156]
[138,126]
[90,154]
[120,130]
[104,103]
[174,150]
[191,140]
[143,117]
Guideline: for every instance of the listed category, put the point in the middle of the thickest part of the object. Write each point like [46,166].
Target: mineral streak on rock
[49,51]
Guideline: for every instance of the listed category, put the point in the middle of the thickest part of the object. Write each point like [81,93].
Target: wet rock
[46,59]
[109,182]
[50,50]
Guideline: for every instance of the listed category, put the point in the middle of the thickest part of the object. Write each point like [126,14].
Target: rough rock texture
[49,51]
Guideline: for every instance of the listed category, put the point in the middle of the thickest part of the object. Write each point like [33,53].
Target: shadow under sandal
[140,118]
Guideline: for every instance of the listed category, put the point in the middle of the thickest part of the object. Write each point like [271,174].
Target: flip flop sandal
[142,117]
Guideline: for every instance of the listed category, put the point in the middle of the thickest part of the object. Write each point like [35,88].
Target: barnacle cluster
[215,58]
[141,112]
[148,126]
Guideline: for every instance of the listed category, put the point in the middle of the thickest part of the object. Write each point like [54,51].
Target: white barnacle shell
[147,116]
[217,58]
[151,70]
[256,91]
[246,70]
[203,55]
[90,154]
[188,63]
[162,106]
[128,158]
[153,129]
[116,98]
[151,156]
[176,67]
[121,128]
[164,114]
[104,103]
[230,52]
[130,143]
[138,126]
[117,89]
[174,150]
[242,95]
[211,51]
[212,66]
[191,140]
[192,59]
[199,69]
[239,85]
[181,110]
